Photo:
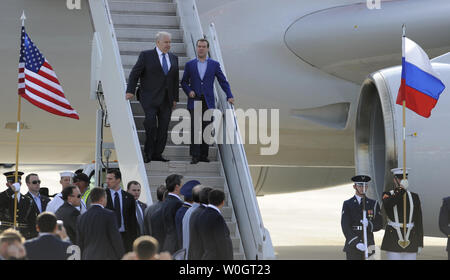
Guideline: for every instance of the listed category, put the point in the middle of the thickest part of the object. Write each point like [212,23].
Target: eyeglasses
[36,182]
[77,196]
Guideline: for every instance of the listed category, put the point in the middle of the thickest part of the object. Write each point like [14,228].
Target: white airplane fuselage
[306,58]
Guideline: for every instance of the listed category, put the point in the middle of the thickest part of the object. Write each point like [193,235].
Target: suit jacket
[129,217]
[169,210]
[196,249]
[157,226]
[69,214]
[47,247]
[35,212]
[153,81]
[147,217]
[191,81]
[179,222]
[143,207]
[444,219]
[98,235]
[215,236]
[390,239]
[25,213]
[352,214]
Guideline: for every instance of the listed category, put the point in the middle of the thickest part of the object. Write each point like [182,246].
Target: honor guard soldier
[358,227]
[444,221]
[403,237]
[24,207]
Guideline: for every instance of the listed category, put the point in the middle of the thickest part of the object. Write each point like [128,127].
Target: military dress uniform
[352,215]
[444,221]
[395,242]
[24,223]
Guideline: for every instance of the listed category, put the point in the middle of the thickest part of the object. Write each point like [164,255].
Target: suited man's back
[195,243]
[215,236]
[69,214]
[47,247]
[169,210]
[98,235]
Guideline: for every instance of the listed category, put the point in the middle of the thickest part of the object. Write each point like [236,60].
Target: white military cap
[66,174]
[399,171]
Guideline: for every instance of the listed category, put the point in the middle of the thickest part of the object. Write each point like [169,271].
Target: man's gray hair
[162,34]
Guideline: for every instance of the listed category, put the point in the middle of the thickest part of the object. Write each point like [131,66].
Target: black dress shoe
[195,160]
[204,159]
[160,158]
[146,158]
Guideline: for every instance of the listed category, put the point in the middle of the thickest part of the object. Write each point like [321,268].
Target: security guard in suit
[444,221]
[353,223]
[401,244]
[24,221]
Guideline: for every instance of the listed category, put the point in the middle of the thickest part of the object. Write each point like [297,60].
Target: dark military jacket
[391,238]
[444,219]
[352,214]
[26,225]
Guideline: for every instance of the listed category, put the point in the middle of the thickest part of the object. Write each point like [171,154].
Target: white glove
[16,187]
[404,183]
[364,222]
[419,250]
[361,247]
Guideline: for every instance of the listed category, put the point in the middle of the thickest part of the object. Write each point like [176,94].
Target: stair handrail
[242,191]
[112,76]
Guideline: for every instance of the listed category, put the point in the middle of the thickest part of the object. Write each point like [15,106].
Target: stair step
[141,8]
[134,48]
[181,152]
[213,181]
[145,20]
[146,34]
[183,168]
[128,61]
[139,119]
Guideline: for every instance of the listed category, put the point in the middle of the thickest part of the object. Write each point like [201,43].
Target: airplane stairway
[136,23]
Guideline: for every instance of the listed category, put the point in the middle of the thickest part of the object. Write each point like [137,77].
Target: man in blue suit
[198,84]
[48,245]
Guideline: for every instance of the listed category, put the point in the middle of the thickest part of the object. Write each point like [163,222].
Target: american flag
[38,82]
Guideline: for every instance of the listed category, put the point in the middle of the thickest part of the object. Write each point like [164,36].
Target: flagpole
[404,132]
[16,175]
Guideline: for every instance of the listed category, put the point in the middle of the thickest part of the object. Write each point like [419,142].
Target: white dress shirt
[161,58]
[113,193]
[215,208]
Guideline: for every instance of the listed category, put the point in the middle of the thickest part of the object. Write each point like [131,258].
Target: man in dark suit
[158,72]
[213,230]
[68,213]
[160,192]
[48,246]
[124,206]
[444,221]
[198,84]
[97,231]
[134,188]
[40,201]
[186,191]
[196,249]
[352,221]
[168,210]
[397,244]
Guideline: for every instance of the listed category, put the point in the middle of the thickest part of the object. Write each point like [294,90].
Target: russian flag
[420,85]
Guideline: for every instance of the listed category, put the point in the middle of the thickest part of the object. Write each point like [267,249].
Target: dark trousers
[199,150]
[156,124]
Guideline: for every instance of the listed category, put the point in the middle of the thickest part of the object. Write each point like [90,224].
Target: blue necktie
[164,64]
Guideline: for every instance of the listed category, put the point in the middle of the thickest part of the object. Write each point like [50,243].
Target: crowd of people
[111,223]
